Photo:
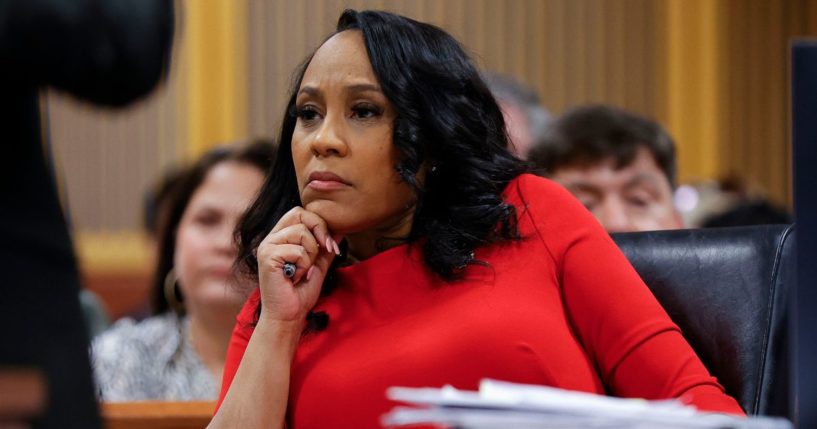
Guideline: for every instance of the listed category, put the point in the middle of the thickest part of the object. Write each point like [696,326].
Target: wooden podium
[156,415]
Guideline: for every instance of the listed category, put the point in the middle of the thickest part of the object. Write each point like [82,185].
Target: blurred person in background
[525,117]
[620,165]
[178,353]
[155,207]
[109,52]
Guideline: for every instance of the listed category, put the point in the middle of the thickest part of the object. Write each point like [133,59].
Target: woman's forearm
[257,397]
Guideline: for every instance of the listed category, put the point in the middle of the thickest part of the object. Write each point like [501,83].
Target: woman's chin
[331,213]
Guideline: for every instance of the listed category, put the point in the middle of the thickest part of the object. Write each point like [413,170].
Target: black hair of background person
[751,212]
[108,52]
[447,123]
[157,198]
[260,154]
[591,134]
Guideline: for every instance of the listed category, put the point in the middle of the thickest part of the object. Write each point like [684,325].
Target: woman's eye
[306,113]
[366,111]
[208,219]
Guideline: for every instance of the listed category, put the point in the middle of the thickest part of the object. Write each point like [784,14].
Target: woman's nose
[330,139]
[224,240]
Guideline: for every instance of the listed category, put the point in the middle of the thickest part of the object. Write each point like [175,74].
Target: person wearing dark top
[107,52]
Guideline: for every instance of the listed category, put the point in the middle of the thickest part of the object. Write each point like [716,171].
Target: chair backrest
[728,290]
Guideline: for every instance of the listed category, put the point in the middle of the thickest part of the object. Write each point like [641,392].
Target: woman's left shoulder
[545,208]
[531,192]
[536,185]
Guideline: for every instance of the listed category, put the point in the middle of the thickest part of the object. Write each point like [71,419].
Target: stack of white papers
[507,405]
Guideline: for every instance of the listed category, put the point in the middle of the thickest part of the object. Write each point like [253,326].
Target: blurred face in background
[205,250]
[637,197]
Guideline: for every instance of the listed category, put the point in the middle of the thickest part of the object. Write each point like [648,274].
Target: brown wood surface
[23,393]
[123,293]
[156,415]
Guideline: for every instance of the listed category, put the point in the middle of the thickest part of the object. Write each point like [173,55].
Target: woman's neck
[210,341]
[366,244]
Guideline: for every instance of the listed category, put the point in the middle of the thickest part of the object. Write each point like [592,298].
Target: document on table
[505,405]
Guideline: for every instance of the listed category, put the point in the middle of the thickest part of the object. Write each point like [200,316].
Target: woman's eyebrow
[354,89]
[362,87]
[309,90]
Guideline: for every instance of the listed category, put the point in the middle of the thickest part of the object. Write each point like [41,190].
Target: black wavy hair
[258,153]
[446,119]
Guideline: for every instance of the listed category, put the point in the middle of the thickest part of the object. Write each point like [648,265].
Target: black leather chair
[728,290]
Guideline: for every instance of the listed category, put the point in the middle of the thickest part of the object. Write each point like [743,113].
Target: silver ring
[289,270]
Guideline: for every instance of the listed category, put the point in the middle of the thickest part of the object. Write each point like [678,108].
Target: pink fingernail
[337,249]
[328,244]
[309,272]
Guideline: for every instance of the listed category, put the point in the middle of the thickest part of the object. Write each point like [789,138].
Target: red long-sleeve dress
[562,307]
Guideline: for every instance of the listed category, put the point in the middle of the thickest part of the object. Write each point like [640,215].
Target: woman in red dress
[421,254]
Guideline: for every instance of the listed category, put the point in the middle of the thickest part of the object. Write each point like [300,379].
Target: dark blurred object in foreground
[107,52]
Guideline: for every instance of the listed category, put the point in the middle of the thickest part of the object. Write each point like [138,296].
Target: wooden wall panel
[213,65]
[107,158]
[571,51]
[728,111]
[755,139]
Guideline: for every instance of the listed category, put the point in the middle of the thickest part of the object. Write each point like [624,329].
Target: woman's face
[205,250]
[342,144]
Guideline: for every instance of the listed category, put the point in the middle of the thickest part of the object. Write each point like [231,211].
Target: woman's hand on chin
[302,238]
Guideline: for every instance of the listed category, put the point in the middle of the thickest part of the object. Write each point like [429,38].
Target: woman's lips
[326,181]
[326,185]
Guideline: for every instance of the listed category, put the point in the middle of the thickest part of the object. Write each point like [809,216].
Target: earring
[172,293]
[433,168]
